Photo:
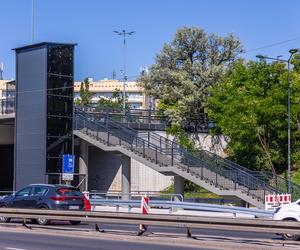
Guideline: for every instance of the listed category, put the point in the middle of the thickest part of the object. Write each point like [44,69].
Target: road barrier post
[144,210]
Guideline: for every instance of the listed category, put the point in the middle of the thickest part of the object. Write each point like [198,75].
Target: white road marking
[13,248]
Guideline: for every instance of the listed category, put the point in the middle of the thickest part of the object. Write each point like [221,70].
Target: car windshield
[69,192]
[24,192]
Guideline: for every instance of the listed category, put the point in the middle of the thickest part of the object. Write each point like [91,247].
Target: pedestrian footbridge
[203,168]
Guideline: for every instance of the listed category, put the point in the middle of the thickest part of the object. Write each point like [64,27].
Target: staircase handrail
[253,182]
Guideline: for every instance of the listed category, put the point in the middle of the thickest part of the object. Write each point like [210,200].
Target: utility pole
[124,33]
[288,61]
[1,70]
[32,22]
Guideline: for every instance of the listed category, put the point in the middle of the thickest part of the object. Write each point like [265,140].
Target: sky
[271,25]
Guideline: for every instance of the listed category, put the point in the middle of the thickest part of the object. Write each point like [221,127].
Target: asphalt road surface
[62,235]
[29,241]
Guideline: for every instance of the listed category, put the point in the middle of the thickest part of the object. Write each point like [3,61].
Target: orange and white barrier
[272,201]
[87,204]
[144,210]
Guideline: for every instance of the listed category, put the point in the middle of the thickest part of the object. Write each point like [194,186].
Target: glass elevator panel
[59,105]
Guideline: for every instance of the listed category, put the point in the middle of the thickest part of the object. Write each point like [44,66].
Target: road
[62,235]
[29,241]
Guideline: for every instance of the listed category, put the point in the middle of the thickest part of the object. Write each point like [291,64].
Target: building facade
[135,94]
[100,89]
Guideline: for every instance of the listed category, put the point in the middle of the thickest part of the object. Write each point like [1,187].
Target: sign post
[68,168]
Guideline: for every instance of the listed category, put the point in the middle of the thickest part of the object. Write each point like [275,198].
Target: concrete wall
[214,144]
[104,173]
[6,134]
[144,178]
[103,170]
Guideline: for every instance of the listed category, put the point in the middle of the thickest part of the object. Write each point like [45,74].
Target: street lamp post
[32,21]
[124,33]
[292,52]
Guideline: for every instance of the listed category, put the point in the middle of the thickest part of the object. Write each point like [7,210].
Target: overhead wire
[271,45]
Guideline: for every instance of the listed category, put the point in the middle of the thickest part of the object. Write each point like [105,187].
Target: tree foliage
[114,102]
[185,68]
[250,107]
[85,93]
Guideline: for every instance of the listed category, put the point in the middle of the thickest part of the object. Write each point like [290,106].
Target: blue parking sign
[68,167]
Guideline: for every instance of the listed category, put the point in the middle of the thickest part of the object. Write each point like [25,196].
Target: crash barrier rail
[135,195]
[180,205]
[254,225]
[166,153]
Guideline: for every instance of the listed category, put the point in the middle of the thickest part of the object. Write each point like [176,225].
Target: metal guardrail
[181,205]
[135,194]
[157,220]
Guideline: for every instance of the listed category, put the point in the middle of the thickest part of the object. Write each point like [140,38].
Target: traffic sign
[68,167]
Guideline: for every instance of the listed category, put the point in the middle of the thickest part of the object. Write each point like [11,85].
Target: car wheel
[291,236]
[75,222]
[42,221]
[4,219]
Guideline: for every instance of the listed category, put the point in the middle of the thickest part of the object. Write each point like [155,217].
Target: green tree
[185,68]
[114,102]
[85,93]
[249,106]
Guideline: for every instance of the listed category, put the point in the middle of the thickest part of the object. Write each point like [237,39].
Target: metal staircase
[205,169]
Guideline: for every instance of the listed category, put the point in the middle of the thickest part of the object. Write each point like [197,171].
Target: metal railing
[183,221]
[191,206]
[134,195]
[141,119]
[166,153]
[7,106]
[235,172]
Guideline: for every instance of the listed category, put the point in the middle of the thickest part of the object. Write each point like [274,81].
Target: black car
[44,196]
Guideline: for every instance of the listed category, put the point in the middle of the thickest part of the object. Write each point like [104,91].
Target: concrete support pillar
[83,164]
[126,177]
[178,186]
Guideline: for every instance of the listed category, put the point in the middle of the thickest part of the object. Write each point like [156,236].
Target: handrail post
[148,139]
[160,143]
[107,138]
[149,118]
[106,119]
[76,118]
[172,155]
[264,193]
[156,154]
[235,180]
[143,148]
[97,132]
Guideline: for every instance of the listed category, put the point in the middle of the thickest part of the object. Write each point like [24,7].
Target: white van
[288,212]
